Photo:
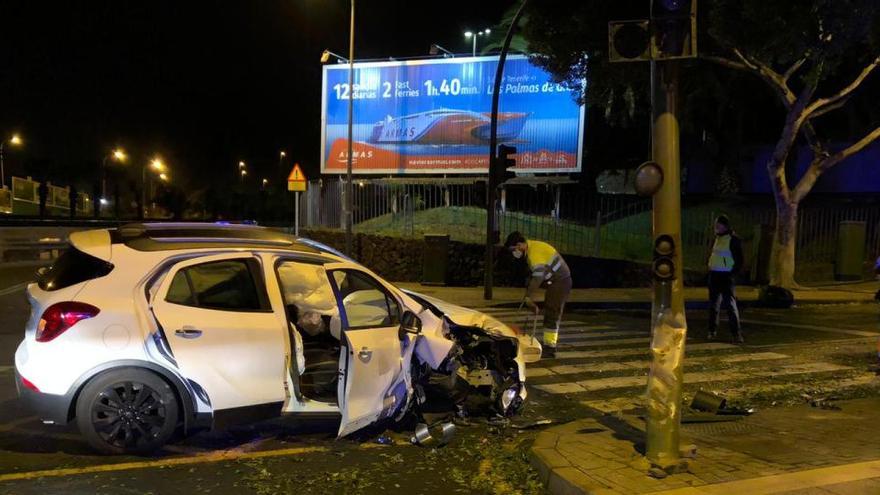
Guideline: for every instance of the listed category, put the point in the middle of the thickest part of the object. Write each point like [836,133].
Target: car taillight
[27,384]
[60,316]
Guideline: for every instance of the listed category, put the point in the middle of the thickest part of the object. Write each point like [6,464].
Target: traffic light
[663,267]
[673,29]
[629,41]
[500,169]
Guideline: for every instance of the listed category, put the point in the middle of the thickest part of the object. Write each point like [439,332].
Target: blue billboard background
[431,116]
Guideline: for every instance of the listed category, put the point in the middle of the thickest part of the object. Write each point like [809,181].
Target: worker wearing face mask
[548,270]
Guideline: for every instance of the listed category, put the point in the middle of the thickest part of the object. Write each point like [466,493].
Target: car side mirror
[410,323]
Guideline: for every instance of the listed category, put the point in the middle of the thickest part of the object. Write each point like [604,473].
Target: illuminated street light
[119,156]
[163,177]
[265,182]
[325,57]
[157,165]
[241,164]
[282,154]
[472,36]
[16,141]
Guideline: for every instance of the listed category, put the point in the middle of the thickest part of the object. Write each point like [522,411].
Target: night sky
[203,84]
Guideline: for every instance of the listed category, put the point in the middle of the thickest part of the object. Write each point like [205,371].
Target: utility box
[850,251]
[435,257]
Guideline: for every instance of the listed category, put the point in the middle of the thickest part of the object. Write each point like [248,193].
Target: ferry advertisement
[431,116]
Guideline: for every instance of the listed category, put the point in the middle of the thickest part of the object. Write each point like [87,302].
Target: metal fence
[600,225]
[24,198]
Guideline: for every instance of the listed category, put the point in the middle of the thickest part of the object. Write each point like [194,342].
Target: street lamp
[117,155]
[348,190]
[325,57]
[14,140]
[473,36]
[157,165]
[437,49]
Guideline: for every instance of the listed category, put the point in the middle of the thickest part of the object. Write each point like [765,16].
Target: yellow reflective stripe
[551,337]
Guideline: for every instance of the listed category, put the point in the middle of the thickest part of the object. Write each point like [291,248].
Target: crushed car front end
[482,355]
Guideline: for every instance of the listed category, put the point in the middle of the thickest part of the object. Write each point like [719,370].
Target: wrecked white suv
[139,331]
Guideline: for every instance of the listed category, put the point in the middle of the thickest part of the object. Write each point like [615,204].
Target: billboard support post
[491,186]
[348,188]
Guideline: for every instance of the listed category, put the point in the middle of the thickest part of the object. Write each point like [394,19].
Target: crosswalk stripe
[599,343]
[707,346]
[570,369]
[587,334]
[599,384]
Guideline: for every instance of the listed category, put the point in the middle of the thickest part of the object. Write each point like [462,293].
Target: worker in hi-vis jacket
[550,271]
[725,262]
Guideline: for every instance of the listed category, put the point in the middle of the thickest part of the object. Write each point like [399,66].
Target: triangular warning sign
[296,175]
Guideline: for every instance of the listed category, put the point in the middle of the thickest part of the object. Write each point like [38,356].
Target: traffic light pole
[491,186]
[669,325]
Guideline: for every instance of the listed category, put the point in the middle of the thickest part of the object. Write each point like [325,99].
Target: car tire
[127,411]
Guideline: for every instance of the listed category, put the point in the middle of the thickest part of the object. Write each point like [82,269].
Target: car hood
[529,347]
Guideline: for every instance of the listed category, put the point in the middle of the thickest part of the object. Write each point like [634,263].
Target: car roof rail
[191,235]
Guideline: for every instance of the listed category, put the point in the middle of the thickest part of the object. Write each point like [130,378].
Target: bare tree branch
[828,108]
[844,93]
[794,68]
[821,164]
[777,82]
[851,149]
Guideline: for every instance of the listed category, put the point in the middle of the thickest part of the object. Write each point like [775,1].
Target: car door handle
[365,354]
[188,333]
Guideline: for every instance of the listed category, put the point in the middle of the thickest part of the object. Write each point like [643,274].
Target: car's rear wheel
[127,411]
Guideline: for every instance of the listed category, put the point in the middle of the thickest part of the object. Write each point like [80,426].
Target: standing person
[548,270]
[725,261]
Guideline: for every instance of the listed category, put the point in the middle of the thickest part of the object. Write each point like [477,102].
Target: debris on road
[528,425]
[424,437]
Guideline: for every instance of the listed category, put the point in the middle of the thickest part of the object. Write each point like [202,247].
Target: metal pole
[474,53]
[2,166]
[349,248]
[493,156]
[296,214]
[669,326]
[143,191]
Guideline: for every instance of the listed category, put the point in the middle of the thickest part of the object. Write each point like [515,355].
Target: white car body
[221,362]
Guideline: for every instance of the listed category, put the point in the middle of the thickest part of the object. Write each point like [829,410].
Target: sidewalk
[792,450]
[640,298]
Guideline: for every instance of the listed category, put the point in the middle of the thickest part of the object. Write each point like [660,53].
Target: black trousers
[722,292]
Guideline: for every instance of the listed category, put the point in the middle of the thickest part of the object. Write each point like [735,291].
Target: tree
[798,49]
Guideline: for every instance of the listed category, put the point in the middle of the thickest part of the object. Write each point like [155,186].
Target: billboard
[432,117]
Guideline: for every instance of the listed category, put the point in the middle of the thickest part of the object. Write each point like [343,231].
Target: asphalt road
[814,349]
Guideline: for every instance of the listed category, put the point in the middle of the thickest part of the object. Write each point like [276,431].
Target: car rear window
[71,268]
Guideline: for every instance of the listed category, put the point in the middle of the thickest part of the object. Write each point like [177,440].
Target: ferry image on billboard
[447,126]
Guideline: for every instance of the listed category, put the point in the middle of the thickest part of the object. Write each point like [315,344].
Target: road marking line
[689,378]
[601,343]
[860,333]
[564,355]
[228,455]
[787,482]
[18,422]
[13,289]
[571,369]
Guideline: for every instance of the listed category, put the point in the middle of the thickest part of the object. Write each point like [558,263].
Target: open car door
[370,364]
